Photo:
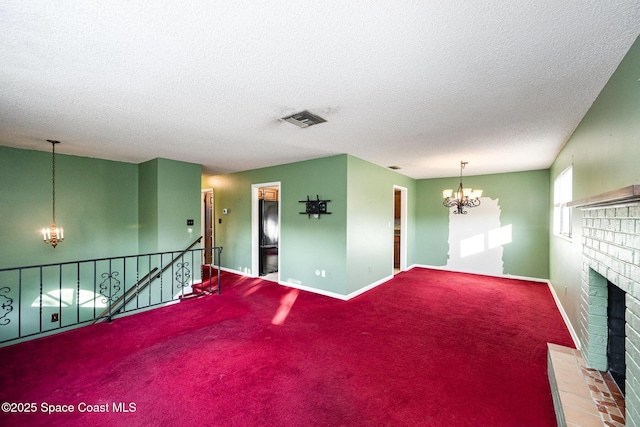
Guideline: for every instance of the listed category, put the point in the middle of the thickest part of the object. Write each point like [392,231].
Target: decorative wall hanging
[315,207]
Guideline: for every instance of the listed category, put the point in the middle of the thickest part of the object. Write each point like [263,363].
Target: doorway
[399,229]
[266,230]
[207,230]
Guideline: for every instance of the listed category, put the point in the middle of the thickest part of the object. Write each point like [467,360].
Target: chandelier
[54,234]
[463,198]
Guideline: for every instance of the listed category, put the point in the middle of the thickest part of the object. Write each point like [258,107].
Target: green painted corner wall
[169,195]
[148,206]
[306,244]
[353,245]
[604,151]
[178,201]
[107,208]
[370,222]
[96,204]
[527,255]
[432,222]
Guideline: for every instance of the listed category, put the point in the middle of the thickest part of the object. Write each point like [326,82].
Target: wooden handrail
[149,278]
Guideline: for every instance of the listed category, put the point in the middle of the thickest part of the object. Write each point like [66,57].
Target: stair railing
[43,299]
[117,305]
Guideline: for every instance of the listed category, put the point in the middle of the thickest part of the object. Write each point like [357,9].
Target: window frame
[562,195]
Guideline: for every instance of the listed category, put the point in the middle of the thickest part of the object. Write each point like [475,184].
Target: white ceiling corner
[420,85]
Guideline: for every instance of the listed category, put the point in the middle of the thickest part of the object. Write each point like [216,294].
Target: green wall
[605,152]
[169,196]
[306,244]
[370,222]
[524,204]
[148,206]
[96,204]
[106,209]
[354,245]
[356,235]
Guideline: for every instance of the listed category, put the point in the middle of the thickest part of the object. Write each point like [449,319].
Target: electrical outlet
[54,317]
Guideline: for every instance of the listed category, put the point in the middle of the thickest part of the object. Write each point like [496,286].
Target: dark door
[268,236]
[208,226]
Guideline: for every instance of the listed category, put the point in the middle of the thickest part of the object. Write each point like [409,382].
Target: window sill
[563,237]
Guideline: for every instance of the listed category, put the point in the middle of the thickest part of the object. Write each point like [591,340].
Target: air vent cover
[304,119]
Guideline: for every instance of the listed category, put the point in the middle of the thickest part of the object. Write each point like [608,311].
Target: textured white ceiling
[417,84]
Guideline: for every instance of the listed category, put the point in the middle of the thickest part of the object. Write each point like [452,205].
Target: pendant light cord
[53,181]
[53,176]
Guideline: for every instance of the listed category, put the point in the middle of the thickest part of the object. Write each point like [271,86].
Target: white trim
[336,295]
[202,220]
[316,290]
[574,335]
[502,276]
[567,322]
[231,270]
[403,226]
[563,237]
[255,250]
[565,318]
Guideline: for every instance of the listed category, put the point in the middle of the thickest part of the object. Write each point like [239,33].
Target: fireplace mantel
[625,195]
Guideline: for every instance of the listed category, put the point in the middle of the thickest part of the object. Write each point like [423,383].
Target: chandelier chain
[54,234]
[53,180]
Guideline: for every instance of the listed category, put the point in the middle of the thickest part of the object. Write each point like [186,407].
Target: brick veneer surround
[611,251]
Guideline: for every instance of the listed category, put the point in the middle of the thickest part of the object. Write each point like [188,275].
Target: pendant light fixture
[463,198]
[54,234]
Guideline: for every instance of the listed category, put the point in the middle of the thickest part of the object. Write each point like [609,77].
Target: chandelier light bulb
[465,197]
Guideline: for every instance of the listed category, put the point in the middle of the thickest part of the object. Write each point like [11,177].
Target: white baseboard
[567,322]
[369,287]
[336,295]
[231,270]
[313,290]
[563,313]
[502,276]
[316,290]
[342,297]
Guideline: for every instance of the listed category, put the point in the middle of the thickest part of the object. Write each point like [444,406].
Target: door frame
[403,226]
[203,243]
[255,226]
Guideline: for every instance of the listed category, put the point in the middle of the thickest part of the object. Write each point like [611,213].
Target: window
[562,194]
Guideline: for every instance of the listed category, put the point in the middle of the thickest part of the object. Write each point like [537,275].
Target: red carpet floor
[427,348]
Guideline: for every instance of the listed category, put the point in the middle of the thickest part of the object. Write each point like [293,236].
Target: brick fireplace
[611,254]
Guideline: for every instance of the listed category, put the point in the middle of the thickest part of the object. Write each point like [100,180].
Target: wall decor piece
[315,207]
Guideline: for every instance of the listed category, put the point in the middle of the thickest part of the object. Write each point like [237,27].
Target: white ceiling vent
[304,119]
